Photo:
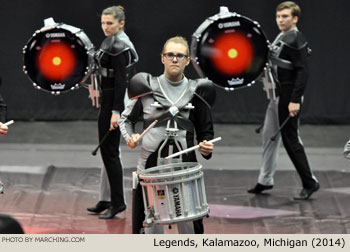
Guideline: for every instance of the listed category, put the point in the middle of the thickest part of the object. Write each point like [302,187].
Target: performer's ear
[162,58]
[295,19]
[188,61]
[122,23]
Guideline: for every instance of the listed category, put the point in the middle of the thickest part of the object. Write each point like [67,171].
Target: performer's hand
[3,129]
[114,121]
[293,108]
[205,148]
[133,141]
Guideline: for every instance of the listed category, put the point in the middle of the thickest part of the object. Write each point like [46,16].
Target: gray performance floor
[70,144]
[42,163]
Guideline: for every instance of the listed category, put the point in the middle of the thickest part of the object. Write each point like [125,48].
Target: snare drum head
[231,50]
[56,59]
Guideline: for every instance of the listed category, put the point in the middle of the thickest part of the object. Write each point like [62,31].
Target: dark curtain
[149,23]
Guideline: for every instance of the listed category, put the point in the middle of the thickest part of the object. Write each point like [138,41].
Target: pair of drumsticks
[141,136]
[145,132]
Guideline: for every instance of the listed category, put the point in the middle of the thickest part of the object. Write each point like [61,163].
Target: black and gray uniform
[289,53]
[115,58]
[151,98]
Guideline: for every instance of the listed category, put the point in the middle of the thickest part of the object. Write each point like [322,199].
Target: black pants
[291,139]
[3,110]
[111,157]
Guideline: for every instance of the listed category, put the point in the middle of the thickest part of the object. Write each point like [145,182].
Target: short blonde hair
[178,40]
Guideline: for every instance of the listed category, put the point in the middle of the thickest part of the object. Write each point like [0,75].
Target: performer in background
[289,67]
[116,59]
[3,128]
[3,131]
[152,98]
[3,107]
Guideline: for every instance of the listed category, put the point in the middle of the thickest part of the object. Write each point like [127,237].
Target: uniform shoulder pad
[139,85]
[113,46]
[294,39]
[205,90]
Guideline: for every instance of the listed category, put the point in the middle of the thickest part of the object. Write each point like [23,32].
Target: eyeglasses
[179,56]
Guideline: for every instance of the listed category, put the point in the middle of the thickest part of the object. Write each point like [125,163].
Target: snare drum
[230,49]
[173,193]
[56,58]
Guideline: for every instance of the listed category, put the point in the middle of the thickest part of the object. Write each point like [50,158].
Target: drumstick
[94,152]
[9,123]
[191,148]
[273,138]
[146,130]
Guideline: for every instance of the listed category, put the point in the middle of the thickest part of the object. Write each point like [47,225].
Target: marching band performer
[115,59]
[170,96]
[3,131]
[289,67]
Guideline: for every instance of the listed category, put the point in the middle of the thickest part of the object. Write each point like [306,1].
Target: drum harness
[98,71]
[270,71]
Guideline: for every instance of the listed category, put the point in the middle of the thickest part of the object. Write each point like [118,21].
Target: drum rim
[178,219]
[79,34]
[146,174]
[153,181]
[197,38]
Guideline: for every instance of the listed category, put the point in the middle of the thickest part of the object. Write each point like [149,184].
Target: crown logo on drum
[235,81]
[58,86]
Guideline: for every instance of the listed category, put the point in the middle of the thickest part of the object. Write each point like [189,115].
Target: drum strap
[173,109]
[183,122]
[282,63]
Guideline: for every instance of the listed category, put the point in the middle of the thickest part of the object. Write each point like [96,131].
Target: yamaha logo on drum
[177,202]
[55,35]
[229,24]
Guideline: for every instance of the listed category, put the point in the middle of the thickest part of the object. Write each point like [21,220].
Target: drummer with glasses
[179,56]
[169,98]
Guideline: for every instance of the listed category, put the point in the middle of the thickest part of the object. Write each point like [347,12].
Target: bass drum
[230,50]
[57,58]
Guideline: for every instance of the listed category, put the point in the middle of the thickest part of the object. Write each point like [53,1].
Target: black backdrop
[149,23]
